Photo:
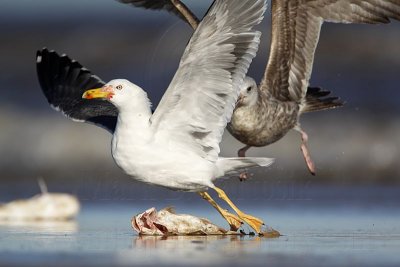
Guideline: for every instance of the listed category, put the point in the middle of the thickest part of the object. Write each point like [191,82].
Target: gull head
[122,93]
[248,93]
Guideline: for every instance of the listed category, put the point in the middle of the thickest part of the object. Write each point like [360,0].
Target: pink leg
[306,153]
[242,153]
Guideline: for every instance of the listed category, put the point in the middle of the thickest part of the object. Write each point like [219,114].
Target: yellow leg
[254,222]
[233,220]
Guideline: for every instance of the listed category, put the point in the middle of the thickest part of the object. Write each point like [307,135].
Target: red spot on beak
[110,95]
[109,90]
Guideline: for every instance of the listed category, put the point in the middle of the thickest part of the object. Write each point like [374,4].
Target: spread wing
[174,6]
[162,5]
[296,28]
[202,95]
[153,4]
[63,81]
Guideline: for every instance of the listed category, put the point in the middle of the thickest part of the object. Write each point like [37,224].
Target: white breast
[157,161]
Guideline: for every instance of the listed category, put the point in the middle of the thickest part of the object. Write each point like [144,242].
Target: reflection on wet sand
[40,227]
[202,250]
[218,243]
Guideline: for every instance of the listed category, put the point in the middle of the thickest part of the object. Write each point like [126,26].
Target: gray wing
[201,97]
[296,28]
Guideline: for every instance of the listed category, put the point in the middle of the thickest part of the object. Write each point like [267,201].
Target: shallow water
[335,232]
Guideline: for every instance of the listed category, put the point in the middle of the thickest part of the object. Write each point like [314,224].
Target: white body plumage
[178,146]
[158,159]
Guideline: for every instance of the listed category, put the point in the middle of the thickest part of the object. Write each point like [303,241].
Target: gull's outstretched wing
[296,27]
[201,97]
[181,10]
[153,4]
[63,81]
[174,6]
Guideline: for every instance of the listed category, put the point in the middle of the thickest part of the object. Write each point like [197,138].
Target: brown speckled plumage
[283,93]
[264,123]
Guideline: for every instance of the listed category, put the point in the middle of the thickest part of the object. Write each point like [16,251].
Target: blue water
[340,232]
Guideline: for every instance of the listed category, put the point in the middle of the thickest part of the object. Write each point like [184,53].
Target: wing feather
[63,81]
[153,4]
[201,97]
[164,5]
[296,26]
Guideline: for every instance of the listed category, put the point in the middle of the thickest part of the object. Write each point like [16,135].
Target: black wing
[155,5]
[63,82]
[176,7]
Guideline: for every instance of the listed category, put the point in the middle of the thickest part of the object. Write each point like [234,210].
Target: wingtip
[38,58]
[316,99]
[44,52]
[39,54]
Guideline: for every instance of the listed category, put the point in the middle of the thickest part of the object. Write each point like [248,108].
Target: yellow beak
[97,93]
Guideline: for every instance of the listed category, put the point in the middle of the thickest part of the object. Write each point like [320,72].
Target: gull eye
[119,87]
[248,89]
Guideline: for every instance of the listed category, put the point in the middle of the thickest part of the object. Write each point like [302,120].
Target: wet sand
[334,233]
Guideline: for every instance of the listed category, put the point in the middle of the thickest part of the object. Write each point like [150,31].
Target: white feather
[178,146]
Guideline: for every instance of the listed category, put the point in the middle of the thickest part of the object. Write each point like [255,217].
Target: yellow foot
[234,221]
[253,222]
[270,233]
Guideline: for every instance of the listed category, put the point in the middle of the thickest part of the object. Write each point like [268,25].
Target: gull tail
[228,165]
[316,99]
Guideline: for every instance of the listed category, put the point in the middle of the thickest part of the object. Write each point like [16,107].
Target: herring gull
[178,145]
[265,113]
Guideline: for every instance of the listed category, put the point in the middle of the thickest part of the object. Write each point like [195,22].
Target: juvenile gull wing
[63,81]
[296,28]
[201,97]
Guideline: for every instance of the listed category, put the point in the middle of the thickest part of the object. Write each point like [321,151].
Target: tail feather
[316,100]
[228,165]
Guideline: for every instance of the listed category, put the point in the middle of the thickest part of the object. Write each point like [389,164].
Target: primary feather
[200,99]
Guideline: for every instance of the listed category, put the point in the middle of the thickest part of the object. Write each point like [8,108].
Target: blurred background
[355,146]
[348,213]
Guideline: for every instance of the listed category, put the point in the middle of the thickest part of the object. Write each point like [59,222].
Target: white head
[122,93]
[248,92]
